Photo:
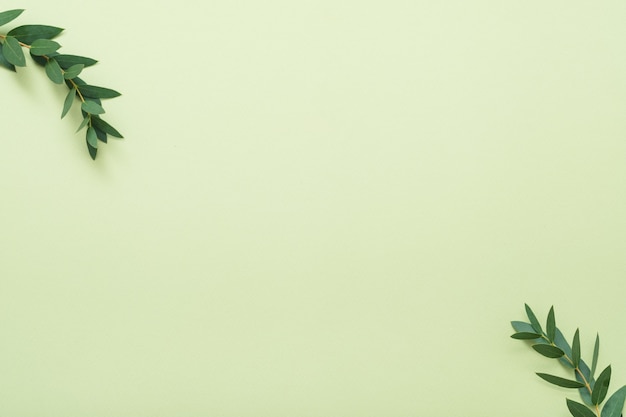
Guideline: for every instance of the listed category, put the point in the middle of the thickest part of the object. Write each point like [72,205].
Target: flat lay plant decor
[551,343]
[60,69]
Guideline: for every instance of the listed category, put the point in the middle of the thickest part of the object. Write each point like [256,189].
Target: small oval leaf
[92,107]
[54,72]
[4,63]
[73,71]
[549,351]
[13,53]
[43,47]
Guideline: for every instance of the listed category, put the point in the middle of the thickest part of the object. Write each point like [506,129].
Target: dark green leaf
[92,151]
[73,71]
[105,127]
[578,409]
[551,325]
[596,352]
[83,123]
[9,15]
[13,52]
[95,100]
[44,47]
[98,92]
[525,336]
[533,319]
[549,351]
[601,386]
[92,138]
[54,72]
[576,349]
[30,33]
[69,100]
[561,382]
[3,61]
[92,107]
[102,136]
[66,61]
[615,404]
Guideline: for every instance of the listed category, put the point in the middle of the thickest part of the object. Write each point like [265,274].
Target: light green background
[322,208]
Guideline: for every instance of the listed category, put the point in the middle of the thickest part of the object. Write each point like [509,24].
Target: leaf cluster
[60,69]
[551,343]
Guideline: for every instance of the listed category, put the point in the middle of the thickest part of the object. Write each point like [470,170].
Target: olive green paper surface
[321,208]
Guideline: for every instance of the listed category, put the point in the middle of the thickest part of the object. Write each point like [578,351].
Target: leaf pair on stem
[60,69]
[551,344]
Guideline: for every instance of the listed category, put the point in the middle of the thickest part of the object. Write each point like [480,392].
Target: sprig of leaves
[60,69]
[551,343]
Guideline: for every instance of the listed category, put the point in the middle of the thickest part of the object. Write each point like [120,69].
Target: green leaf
[73,71]
[549,351]
[13,52]
[92,142]
[3,61]
[92,107]
[30,33]
[9,15]
[576,349]
[92,138]
[525,336]
[69,100]
[83,123]
[596,352]
[43,47]
[102,136]
[533,319]
[105,127]
[54,72]
[66,61]
[551,325]
[601,387]
[578,409]
[561,382]
[521,326]
[615,404]
[92,151]
[97,92]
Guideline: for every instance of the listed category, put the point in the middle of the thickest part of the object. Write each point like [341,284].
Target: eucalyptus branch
[60,69]
[551,343]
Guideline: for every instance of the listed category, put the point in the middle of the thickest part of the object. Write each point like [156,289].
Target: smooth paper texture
[320,208]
